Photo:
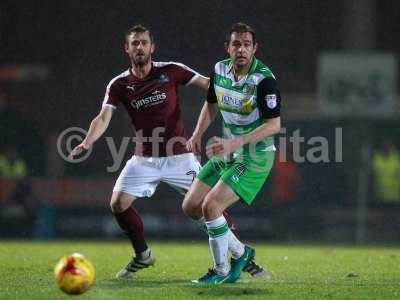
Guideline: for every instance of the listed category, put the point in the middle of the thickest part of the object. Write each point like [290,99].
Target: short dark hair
[138,28]
[241,28]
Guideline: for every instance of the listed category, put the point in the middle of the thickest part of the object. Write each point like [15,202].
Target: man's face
[139,48]
[241,49]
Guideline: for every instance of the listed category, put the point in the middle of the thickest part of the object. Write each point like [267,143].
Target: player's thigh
[139,177]
[211,172]
[179,171]
[194,198]
[205,180]
[219,198]
[207,177]
[247,177]
[120,201]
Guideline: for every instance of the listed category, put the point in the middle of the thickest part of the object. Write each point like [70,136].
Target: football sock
[235,246]
[218,239]
[132,225]
[202,225]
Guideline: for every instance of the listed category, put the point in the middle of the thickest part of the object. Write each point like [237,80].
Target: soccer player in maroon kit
[149,92]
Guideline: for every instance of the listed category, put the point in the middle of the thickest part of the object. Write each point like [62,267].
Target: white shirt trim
[106,96]
[110,105]
[195,76]
[162,64]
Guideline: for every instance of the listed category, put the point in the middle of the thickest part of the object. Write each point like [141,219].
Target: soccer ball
[74,274]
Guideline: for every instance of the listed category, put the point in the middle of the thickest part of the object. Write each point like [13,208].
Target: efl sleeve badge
[271,100]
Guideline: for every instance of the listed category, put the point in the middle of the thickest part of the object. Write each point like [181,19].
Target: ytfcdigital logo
[69,137]
[315,148]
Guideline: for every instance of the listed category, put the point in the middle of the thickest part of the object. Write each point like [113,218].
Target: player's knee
[188,207]
[120,202]
[210,205]
[116,205]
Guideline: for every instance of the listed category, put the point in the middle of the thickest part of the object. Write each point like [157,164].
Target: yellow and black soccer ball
[74,274]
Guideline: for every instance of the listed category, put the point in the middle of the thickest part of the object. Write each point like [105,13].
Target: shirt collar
[252,66]
[152,70]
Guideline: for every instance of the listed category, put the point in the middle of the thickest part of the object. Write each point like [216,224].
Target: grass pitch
[297,272]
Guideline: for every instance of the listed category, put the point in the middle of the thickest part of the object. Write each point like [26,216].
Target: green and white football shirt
[244,104]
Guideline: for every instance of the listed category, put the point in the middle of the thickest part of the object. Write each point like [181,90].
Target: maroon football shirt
[153,105]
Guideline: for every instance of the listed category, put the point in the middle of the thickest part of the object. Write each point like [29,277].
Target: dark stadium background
[56,58]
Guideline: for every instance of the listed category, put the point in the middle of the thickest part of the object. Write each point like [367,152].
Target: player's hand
[220,146]
[194,144]
[78,149]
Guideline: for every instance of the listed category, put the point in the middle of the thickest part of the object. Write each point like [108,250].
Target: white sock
[235,246]
[218,240]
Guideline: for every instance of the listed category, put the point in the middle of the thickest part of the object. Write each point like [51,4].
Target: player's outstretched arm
[207,115]
[97,127]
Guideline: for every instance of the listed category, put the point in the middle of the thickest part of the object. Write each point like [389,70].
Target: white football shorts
[141,175]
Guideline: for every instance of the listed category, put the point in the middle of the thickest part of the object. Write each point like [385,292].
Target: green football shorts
[245,176]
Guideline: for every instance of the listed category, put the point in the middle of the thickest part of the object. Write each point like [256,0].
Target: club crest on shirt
[163,78]
[248,89]
[271,100]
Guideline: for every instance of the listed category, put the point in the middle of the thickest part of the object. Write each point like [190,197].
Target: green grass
[298,272]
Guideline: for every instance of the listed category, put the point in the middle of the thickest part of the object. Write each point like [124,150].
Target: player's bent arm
[207,115]
[98,125]
[201,81]
[270,127]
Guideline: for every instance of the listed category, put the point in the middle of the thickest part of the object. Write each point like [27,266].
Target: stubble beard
[141,61]
[241,66]
[244,64]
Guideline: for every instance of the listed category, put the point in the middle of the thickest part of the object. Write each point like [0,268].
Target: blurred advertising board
[359,85]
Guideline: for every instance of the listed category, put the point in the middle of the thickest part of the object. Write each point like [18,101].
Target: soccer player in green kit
[245,91]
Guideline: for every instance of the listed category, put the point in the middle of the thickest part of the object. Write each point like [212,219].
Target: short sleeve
[183,74]
[211,96]
[269,98]
[112,96]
